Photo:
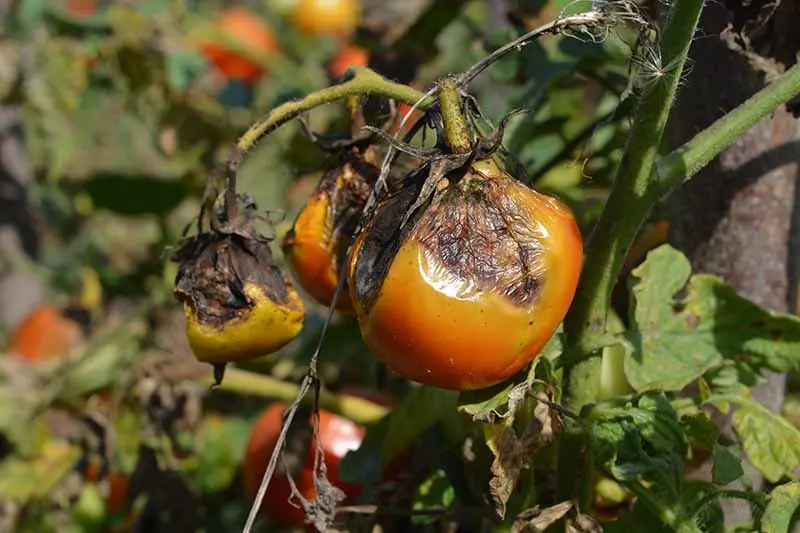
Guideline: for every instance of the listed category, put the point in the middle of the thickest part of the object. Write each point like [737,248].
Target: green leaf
[780,514]
[771,442]
[727,467]
[25,480]
[222,451]
[420,410]
[436,491]
[639,437]
[684,327]
[701,431]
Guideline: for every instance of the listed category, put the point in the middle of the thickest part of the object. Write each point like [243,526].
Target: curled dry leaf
[537,519]
[513,451]
[582,523]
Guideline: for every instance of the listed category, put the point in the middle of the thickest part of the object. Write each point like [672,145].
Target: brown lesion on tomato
[214,268]
[469,226]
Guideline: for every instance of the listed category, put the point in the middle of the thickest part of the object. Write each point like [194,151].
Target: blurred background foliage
[124,109]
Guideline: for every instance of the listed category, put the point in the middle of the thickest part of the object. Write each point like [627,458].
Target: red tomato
[248,28]
[45,334]
[338,436]
[348,56]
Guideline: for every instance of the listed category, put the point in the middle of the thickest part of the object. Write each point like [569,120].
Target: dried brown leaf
[537,519]
[582,523]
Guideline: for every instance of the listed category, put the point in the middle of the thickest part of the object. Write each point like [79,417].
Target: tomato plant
[526,336]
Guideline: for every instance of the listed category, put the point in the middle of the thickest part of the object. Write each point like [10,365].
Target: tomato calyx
[437,182]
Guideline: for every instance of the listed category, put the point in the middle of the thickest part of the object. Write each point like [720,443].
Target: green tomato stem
[629,201]
[683,163]
[624,212]
[457,134]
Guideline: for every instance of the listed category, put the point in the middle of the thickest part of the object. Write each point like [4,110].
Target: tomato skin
[46,333]
[434,327]
[310,253]
[318,239]
[337,435]
[327,17]
[267,328]
[348,56]
[251,31]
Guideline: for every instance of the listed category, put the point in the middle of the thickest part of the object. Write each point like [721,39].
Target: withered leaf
[513,452]
[537,519]
[582,523]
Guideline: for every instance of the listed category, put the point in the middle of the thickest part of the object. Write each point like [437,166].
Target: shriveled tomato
[327,17]
[46,333]
[464,293]
[337,436]
[248,29]
[348,56]
[237,301]
[318,240]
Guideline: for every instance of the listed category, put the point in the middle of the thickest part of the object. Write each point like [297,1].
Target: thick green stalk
[625,210]
[629,201]
[684,162]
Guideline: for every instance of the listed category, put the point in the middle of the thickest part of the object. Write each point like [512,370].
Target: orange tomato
[327,17]
[348,56]
[248,28]
[337,435]
[44,334]
[476,286]
[322,230]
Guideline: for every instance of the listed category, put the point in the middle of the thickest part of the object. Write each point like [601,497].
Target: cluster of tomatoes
[329,18]
[337,19]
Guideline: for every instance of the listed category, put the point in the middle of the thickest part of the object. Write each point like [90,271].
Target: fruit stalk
[456,131]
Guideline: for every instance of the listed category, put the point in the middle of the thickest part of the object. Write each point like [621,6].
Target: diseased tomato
[237,301]
[466,292]
[318,240]
[327,17]
[348,56]
[250,30]
[46,333]
[337,436]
